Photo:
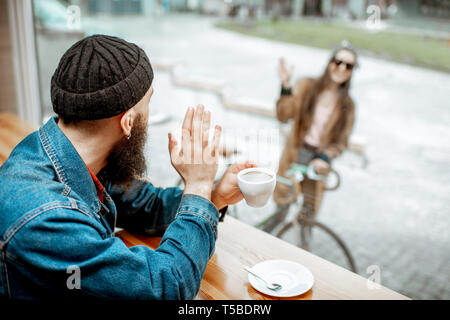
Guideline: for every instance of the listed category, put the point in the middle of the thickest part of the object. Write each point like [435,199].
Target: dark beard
[127,160]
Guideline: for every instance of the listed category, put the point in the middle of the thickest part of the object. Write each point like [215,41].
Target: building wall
[407,8]
[7,88]
[357,8]
[115,6]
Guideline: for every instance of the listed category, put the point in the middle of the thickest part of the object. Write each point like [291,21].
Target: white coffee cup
[257,185]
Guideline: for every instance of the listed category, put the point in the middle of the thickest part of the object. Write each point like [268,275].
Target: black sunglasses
[348,66]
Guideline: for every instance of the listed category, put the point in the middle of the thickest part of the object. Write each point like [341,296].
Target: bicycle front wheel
[300,233]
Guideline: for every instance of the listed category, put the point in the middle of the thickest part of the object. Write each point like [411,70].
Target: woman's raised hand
[284,73]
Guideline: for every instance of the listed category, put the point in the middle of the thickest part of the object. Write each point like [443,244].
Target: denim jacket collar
[69,167]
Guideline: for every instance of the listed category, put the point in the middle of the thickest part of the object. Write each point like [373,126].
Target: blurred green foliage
[419,50]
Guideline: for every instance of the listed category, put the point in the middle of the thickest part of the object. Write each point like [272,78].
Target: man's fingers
[205,128]
[172,143]
[186,141]
[246,165]
[211,152]
[197,134]
[197,124]
[250,164]
[173,150]
[216,141]
[239,166]
[187,125]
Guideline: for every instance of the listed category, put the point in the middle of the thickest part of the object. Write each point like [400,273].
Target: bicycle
[305,213]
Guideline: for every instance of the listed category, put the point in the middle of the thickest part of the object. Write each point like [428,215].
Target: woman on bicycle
[323,115]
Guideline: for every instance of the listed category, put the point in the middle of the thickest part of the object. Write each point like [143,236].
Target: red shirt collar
[98,185]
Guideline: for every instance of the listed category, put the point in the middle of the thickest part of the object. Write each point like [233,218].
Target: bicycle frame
[304,217]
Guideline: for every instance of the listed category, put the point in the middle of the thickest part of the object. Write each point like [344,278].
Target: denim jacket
[53,228]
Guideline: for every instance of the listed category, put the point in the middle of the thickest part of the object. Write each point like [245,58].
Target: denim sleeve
[145,208]
[61,238]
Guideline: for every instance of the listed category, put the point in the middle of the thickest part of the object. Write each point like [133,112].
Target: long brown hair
[317,86]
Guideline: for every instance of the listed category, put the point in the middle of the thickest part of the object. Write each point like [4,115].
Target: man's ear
[127,122]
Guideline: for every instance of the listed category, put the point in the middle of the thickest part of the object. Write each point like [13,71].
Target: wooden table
[239,244]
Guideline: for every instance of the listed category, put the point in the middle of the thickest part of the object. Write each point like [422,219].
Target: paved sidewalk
[393,214]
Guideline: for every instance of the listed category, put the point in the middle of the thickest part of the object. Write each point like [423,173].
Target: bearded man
[66,187]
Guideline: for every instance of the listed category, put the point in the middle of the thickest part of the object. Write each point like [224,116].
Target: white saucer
[295,278]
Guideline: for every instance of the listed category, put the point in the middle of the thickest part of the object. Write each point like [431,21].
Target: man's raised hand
[197,159]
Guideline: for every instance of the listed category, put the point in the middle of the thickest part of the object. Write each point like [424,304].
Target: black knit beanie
[99,77]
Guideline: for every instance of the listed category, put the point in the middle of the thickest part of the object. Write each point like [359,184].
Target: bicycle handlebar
[293,184]
[296,174]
